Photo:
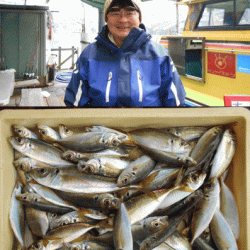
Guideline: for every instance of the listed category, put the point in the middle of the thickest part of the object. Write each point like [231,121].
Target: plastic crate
[7,83]
[237,118]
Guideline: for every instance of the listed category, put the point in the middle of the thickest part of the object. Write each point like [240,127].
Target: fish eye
[127,194]
[125,180]
[182,143]
[43,132]
[172,141]
[66,130]
[64,223]
[53,215]
[19,131]
[115,142]
[41,171]
[35,199]
[57,171]
[133,173]
[195,177]
[96,198]
[19,140]
[25,198]
[21,166]
[107,202]
[209,186]
[37,246]
[74,220]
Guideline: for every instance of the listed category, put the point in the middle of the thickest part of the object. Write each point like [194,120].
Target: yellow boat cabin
[212,55]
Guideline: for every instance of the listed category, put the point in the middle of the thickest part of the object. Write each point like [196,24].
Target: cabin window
[228,14]
[188,56]
[217,14]
[243,12]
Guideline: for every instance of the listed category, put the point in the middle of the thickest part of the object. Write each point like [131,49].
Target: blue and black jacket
[139,74]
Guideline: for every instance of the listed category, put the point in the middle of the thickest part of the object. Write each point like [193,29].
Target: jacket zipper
[108,86]
[140,85]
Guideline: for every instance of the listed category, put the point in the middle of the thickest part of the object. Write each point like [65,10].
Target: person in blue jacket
[124,67]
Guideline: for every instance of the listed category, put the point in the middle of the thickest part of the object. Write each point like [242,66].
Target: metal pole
[73,56]
[60,58]
[101,19]
[177,18]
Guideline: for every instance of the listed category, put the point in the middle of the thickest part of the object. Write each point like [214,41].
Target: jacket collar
[132,42]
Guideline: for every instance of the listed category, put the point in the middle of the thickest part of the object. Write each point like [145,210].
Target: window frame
[225,27]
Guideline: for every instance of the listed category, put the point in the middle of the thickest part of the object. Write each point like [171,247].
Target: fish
[188,133]
[91,141]
[207,207]
[192,181]
[17,215]
[75,157]
[104,166]
[64,131]
[222,233]
[100,201]
[161,236]
[22,131]
[149,225]
[224,154]
[37,221]
[71,180]
[164,146]
[207,144]
[39,150]
[56,220]
[103,129]
[88,244]
[178,207]
[28,164]
[178,241]
[145,204]
[135,171]
[47,133]
[56,238]
[229,208]
[122,233]
[36,201]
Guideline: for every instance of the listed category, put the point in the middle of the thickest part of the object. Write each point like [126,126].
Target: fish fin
[148,179]
[186,189]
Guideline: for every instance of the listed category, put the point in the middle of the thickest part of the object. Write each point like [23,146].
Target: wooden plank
[52,100]
[32,98]
[28,83]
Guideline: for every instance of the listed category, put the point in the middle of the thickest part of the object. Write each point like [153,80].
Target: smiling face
[121,21]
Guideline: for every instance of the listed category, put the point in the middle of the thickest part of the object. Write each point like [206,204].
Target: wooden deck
[37,96]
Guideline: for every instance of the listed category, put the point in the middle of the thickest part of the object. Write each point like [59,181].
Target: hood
[133,41]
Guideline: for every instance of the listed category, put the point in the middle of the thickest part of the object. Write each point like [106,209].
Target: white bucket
[7,83]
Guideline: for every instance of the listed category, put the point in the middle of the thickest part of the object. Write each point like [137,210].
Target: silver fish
[136,171]
[17,215]
[103,166]
[39,150]
[59,236]
[71,180]
[222,233]
[122,230]
[188,133]
[22,131]
[65,131]
[204,214]
[229,208]
[91,141]
[223,155]
[37,221]
[47,133]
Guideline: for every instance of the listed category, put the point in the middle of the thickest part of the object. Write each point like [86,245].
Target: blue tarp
[63,77]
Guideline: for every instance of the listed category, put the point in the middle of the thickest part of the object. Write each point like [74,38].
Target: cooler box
[235,117]
[7,83]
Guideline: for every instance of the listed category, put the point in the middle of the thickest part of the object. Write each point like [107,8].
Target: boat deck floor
[51,95]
